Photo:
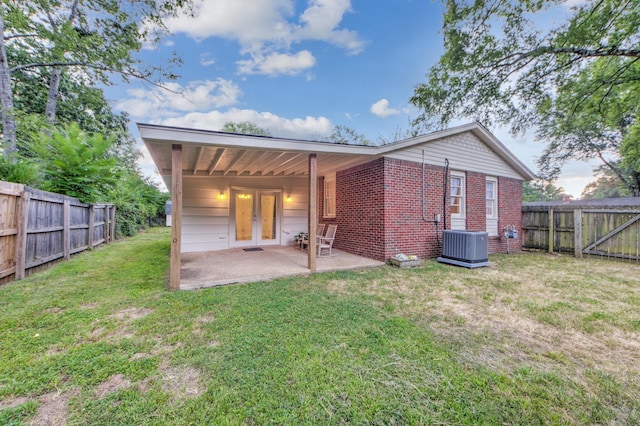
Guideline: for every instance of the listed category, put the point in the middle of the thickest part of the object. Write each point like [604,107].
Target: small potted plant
[301,239]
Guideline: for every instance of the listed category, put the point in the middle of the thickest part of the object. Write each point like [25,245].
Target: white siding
[458,223]
[464,152]
[492,227]
[205,216]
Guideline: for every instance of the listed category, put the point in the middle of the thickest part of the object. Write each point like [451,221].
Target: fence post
[66,228]
[551,230]
[577,232]
[105,228]
[91,226]
[176,228]
[113,223]
[21,237]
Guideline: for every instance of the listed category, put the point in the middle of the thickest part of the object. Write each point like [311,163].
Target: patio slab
[216,268]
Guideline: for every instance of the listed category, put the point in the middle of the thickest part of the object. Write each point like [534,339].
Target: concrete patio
[216,268]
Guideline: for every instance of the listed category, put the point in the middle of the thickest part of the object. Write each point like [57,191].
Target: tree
[346,135]
[77,103]
[245,128]
[25,172]
[138,203]
[76,164]
[92,39]
[541,190]
[414,129]
[599,128]
[499,67]
[606,185]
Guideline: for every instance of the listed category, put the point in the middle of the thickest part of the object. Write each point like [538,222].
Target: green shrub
[23,171]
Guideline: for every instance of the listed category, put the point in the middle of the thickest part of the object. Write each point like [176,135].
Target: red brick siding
[408,228]
[476,193]
[509,213]
[359,210]
[379,208]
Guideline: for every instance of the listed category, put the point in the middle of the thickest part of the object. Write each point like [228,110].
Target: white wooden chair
[319,233]
[325,243]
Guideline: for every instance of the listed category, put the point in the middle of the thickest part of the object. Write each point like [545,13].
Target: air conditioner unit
[465,248]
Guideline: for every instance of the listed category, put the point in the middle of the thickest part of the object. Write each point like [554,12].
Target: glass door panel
[255,218]
[268,210]
[244,216]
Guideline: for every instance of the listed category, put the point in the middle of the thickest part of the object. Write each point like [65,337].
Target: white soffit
[211,153]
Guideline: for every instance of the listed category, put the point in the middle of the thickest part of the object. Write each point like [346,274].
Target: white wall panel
[464,152]
[205,216]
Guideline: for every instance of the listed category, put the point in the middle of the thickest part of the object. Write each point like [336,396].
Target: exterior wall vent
[465,248]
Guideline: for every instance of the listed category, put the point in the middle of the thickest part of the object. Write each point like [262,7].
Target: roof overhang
[213,153]
[480,132]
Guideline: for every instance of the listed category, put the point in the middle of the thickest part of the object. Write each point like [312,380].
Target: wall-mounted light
[288,197]
[221,195]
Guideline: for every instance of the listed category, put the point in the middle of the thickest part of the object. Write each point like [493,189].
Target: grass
[535,339]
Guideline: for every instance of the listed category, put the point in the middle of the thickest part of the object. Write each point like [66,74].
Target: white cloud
[574,3]
[196,96]
[320,22]
[303,128]
[381,109]
[267,29]
[277,63]
[206,59]
[246,21]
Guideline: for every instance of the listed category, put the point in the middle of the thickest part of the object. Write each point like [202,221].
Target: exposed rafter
[275,160]
[235,160]
[286,167]
[216,159]
[287,163]
[247,166]
[198,158]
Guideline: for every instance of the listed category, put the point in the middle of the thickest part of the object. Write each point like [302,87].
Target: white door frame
[256,222]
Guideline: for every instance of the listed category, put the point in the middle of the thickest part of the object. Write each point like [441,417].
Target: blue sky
[299,68]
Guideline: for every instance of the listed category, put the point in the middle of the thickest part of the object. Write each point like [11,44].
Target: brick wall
[359,210]
[409,226]
[509,213]
[476,202]
[380,210]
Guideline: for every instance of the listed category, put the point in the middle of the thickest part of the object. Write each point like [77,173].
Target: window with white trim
[329,196]
[492,197]
[492,206]
[457,201]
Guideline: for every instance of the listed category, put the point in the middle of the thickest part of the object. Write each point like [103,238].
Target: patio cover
[179,151]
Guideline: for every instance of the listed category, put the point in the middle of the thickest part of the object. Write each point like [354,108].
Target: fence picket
[611,231]
[38,227]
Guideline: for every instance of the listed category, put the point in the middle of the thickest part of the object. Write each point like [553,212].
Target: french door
[255,217]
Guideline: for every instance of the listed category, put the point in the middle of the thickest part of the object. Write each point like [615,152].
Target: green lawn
[535,339]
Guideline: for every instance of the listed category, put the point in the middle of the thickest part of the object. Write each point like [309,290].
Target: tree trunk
[6,101]
[52,97]
[56,72]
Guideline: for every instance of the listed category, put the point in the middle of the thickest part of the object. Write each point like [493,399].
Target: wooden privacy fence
[38,227]
[609,228]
